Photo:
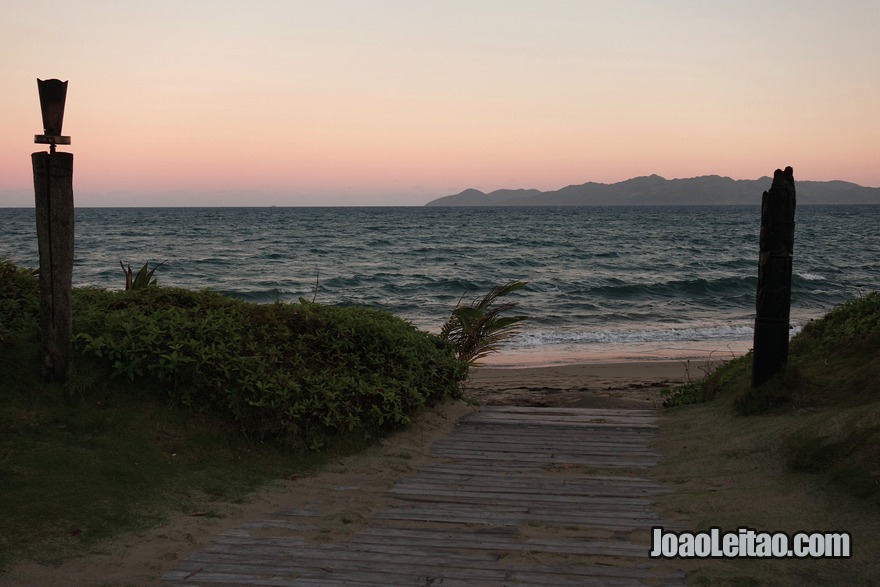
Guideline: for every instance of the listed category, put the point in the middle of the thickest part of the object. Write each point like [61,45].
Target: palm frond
[478,330]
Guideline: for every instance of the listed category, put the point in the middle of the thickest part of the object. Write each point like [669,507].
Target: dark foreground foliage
[298,373]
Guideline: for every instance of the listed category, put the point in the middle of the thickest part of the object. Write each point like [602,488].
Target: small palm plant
[144,277]
[479,330]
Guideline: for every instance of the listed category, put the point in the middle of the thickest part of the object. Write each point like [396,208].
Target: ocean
[604,283]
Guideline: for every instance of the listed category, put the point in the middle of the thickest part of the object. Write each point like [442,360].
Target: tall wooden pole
[773,299]
[53,189]
[53,195]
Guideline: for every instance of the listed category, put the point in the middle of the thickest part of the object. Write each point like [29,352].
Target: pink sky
[399,102]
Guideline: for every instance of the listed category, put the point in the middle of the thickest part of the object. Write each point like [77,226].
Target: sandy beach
[140,559]
[585,385]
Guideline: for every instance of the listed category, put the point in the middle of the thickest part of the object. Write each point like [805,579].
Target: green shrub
[300,373]
[852,326]
[19,301]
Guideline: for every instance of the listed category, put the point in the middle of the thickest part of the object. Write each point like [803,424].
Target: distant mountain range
[655,190]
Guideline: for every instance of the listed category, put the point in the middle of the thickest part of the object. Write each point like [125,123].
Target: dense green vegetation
[296,372]
[827,399]
[176,398]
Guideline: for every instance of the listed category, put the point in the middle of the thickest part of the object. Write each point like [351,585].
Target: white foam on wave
[539,338]
[810,276]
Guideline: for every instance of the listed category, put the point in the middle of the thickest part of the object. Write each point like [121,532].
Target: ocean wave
[720,288]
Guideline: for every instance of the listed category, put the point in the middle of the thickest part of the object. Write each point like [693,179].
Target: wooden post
[773,299]
[53,189]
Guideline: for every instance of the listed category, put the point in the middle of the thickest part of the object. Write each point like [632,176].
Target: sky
[397,102]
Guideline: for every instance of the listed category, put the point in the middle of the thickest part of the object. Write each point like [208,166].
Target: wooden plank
[300,513]
[506,484]
[574,412]
[537,578]
[522,496]
[626,440]
[477,460]
[413,546]
[528,487]
[538,475]
[613,522]
[551,433]
[489,416]
[435,564]
[543,472]
[459,469]
[568,427]
[392,572]
[545,506]
[541,452]
[455,542]
[540,458]
[572,442]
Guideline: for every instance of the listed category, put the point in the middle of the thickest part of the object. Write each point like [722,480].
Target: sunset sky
[397,102]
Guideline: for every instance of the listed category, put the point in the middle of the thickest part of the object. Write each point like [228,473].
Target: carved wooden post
[53,191]
[773,299]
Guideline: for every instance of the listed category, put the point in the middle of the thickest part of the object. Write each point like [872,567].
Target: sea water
[603,282]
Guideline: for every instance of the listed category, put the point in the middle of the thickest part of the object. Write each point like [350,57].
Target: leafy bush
[19,301]
[295,372]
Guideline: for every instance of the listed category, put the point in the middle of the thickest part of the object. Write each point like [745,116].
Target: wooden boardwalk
[514,496]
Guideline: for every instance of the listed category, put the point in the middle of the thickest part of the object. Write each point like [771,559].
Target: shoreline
[619,384]
[604,354]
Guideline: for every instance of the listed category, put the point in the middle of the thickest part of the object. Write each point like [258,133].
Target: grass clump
[683,395]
